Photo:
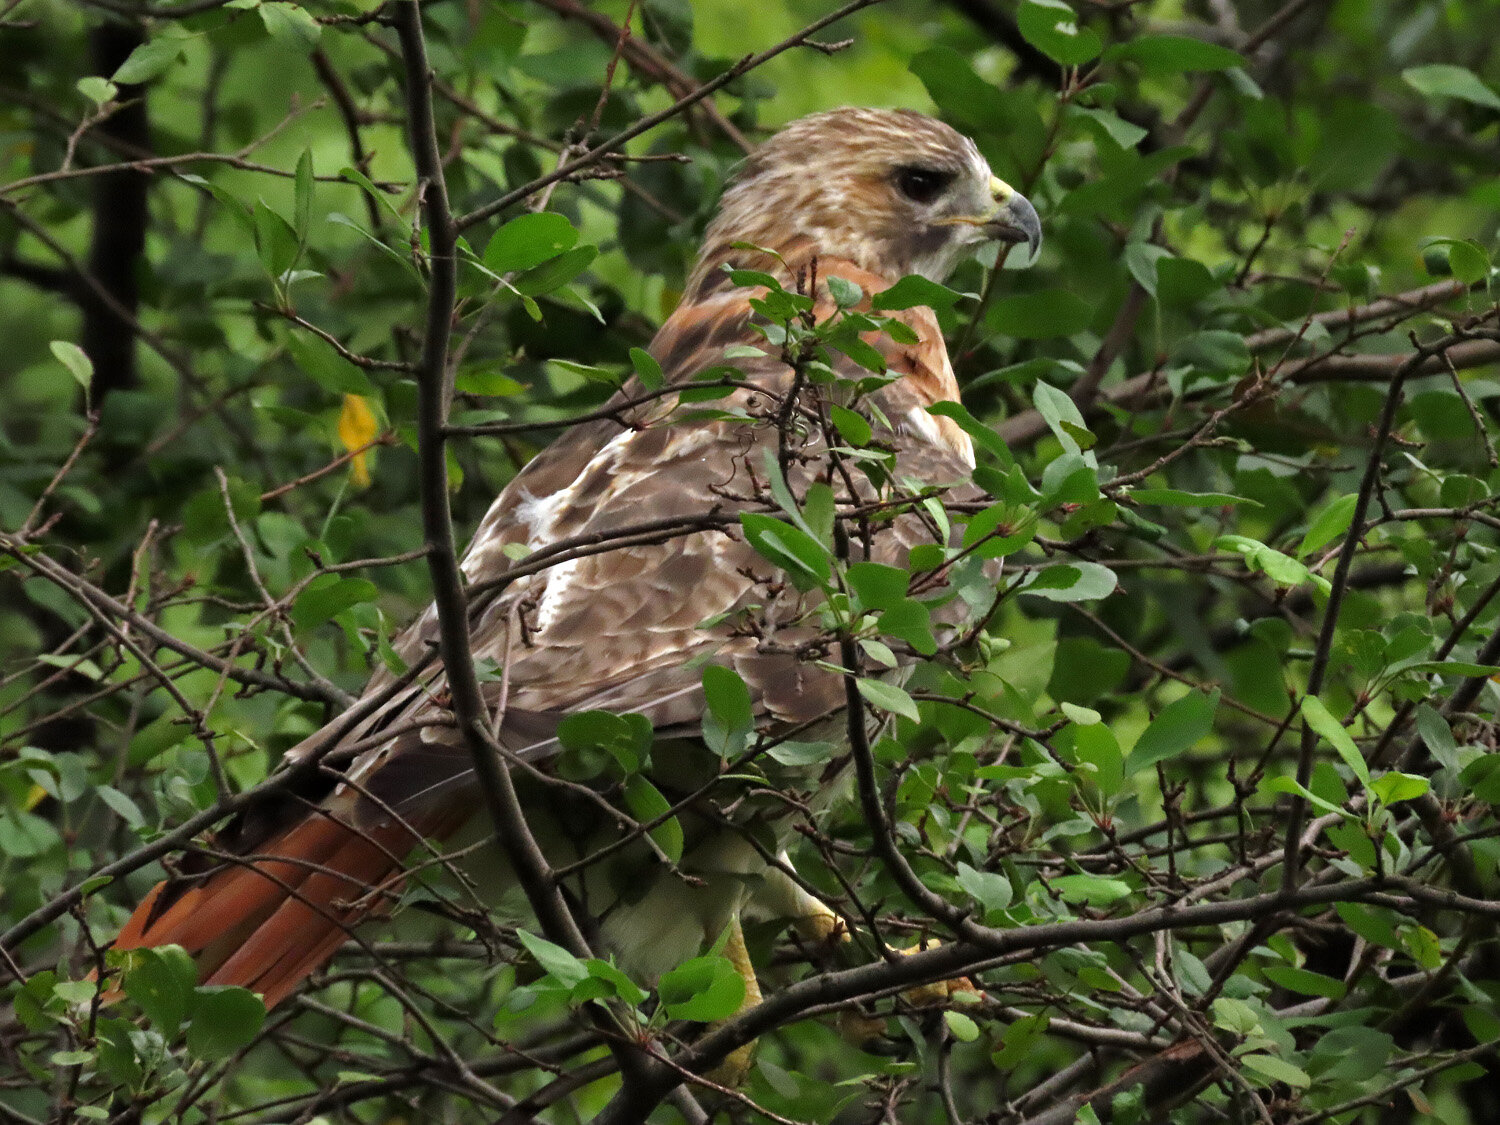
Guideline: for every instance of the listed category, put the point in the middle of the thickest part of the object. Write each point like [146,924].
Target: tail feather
[268,924]
[305,929]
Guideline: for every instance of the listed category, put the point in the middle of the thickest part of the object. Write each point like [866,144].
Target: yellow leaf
[357,429]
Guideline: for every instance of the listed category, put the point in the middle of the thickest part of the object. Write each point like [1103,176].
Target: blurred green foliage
[1243,236]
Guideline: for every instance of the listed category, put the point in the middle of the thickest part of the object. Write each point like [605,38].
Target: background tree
[1205,807]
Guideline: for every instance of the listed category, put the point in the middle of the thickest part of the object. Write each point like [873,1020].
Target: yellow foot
[820,926]
[938,992]
[736,1065]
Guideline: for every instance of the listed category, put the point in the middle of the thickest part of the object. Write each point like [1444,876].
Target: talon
[821,927]
[940,991]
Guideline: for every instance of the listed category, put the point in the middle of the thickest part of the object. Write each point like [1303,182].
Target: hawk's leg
[736,1065]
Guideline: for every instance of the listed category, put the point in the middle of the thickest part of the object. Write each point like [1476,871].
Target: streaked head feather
[826,186]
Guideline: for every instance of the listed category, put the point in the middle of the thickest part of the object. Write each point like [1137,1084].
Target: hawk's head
[893,191]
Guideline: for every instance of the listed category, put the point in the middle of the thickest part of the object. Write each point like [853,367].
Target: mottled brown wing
[623,629]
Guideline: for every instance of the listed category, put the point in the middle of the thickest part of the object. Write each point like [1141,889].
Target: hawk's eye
[922,185]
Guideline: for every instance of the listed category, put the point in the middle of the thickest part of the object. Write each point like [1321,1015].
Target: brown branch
[91,596]
[649,62]
[1292,853]
[646,124]
[1120,332]
[1379,367]
[945,962]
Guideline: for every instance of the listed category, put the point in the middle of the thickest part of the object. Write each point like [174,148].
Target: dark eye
[922,185]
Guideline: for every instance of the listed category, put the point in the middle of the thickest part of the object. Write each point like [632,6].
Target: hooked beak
[1014,219]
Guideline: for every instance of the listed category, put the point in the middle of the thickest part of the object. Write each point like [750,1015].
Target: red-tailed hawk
[868,196]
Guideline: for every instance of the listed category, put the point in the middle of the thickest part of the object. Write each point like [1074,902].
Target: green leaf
[805,560]
[727,697]
[78,665]
[729,717]
[845,293]
[1019,1040]
[620,984]
[161,981]
[1277,1070]
[798,754]
[1373,923]
[911,621]
[1140,260]
[328,595]
[1282,784]
[123,806]
[889,697]
[317,359]
[1329,524]
[1123,133]
[556,961]
[100,91]
[224,1020]
[1280,568]
[703,990]
[365,184]
[851,425]
[1095,745]
[1481,777]
[1235,1016]
[1322,721]
[275,241]
[755,279]
[1176,498]
[1173,54]
[1356,1053]
[303,192]
[988,888]
[863,353]
[148,61]
[1213,351]
[964,1029]
[1184,281]
[23,834]
[529,240]
[1092,890]
[1081,716]
[1180,726]
[914,290]
[1393,787]
[1462,258]
[1043,315]
[876,585]
[488,384]
[75,991]
[646,803]
[1305,981]
[291,25]
[597,738]
[1052,28]
[1444,80]
[71,356]
[983,436]
[961,93]
[1438,735]
[1063,418]
[647,370]
[1072,582]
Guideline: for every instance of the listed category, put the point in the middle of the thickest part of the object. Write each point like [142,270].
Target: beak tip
[1029,223]
[1018,222]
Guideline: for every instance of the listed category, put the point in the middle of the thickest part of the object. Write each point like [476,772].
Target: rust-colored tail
[267,922]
